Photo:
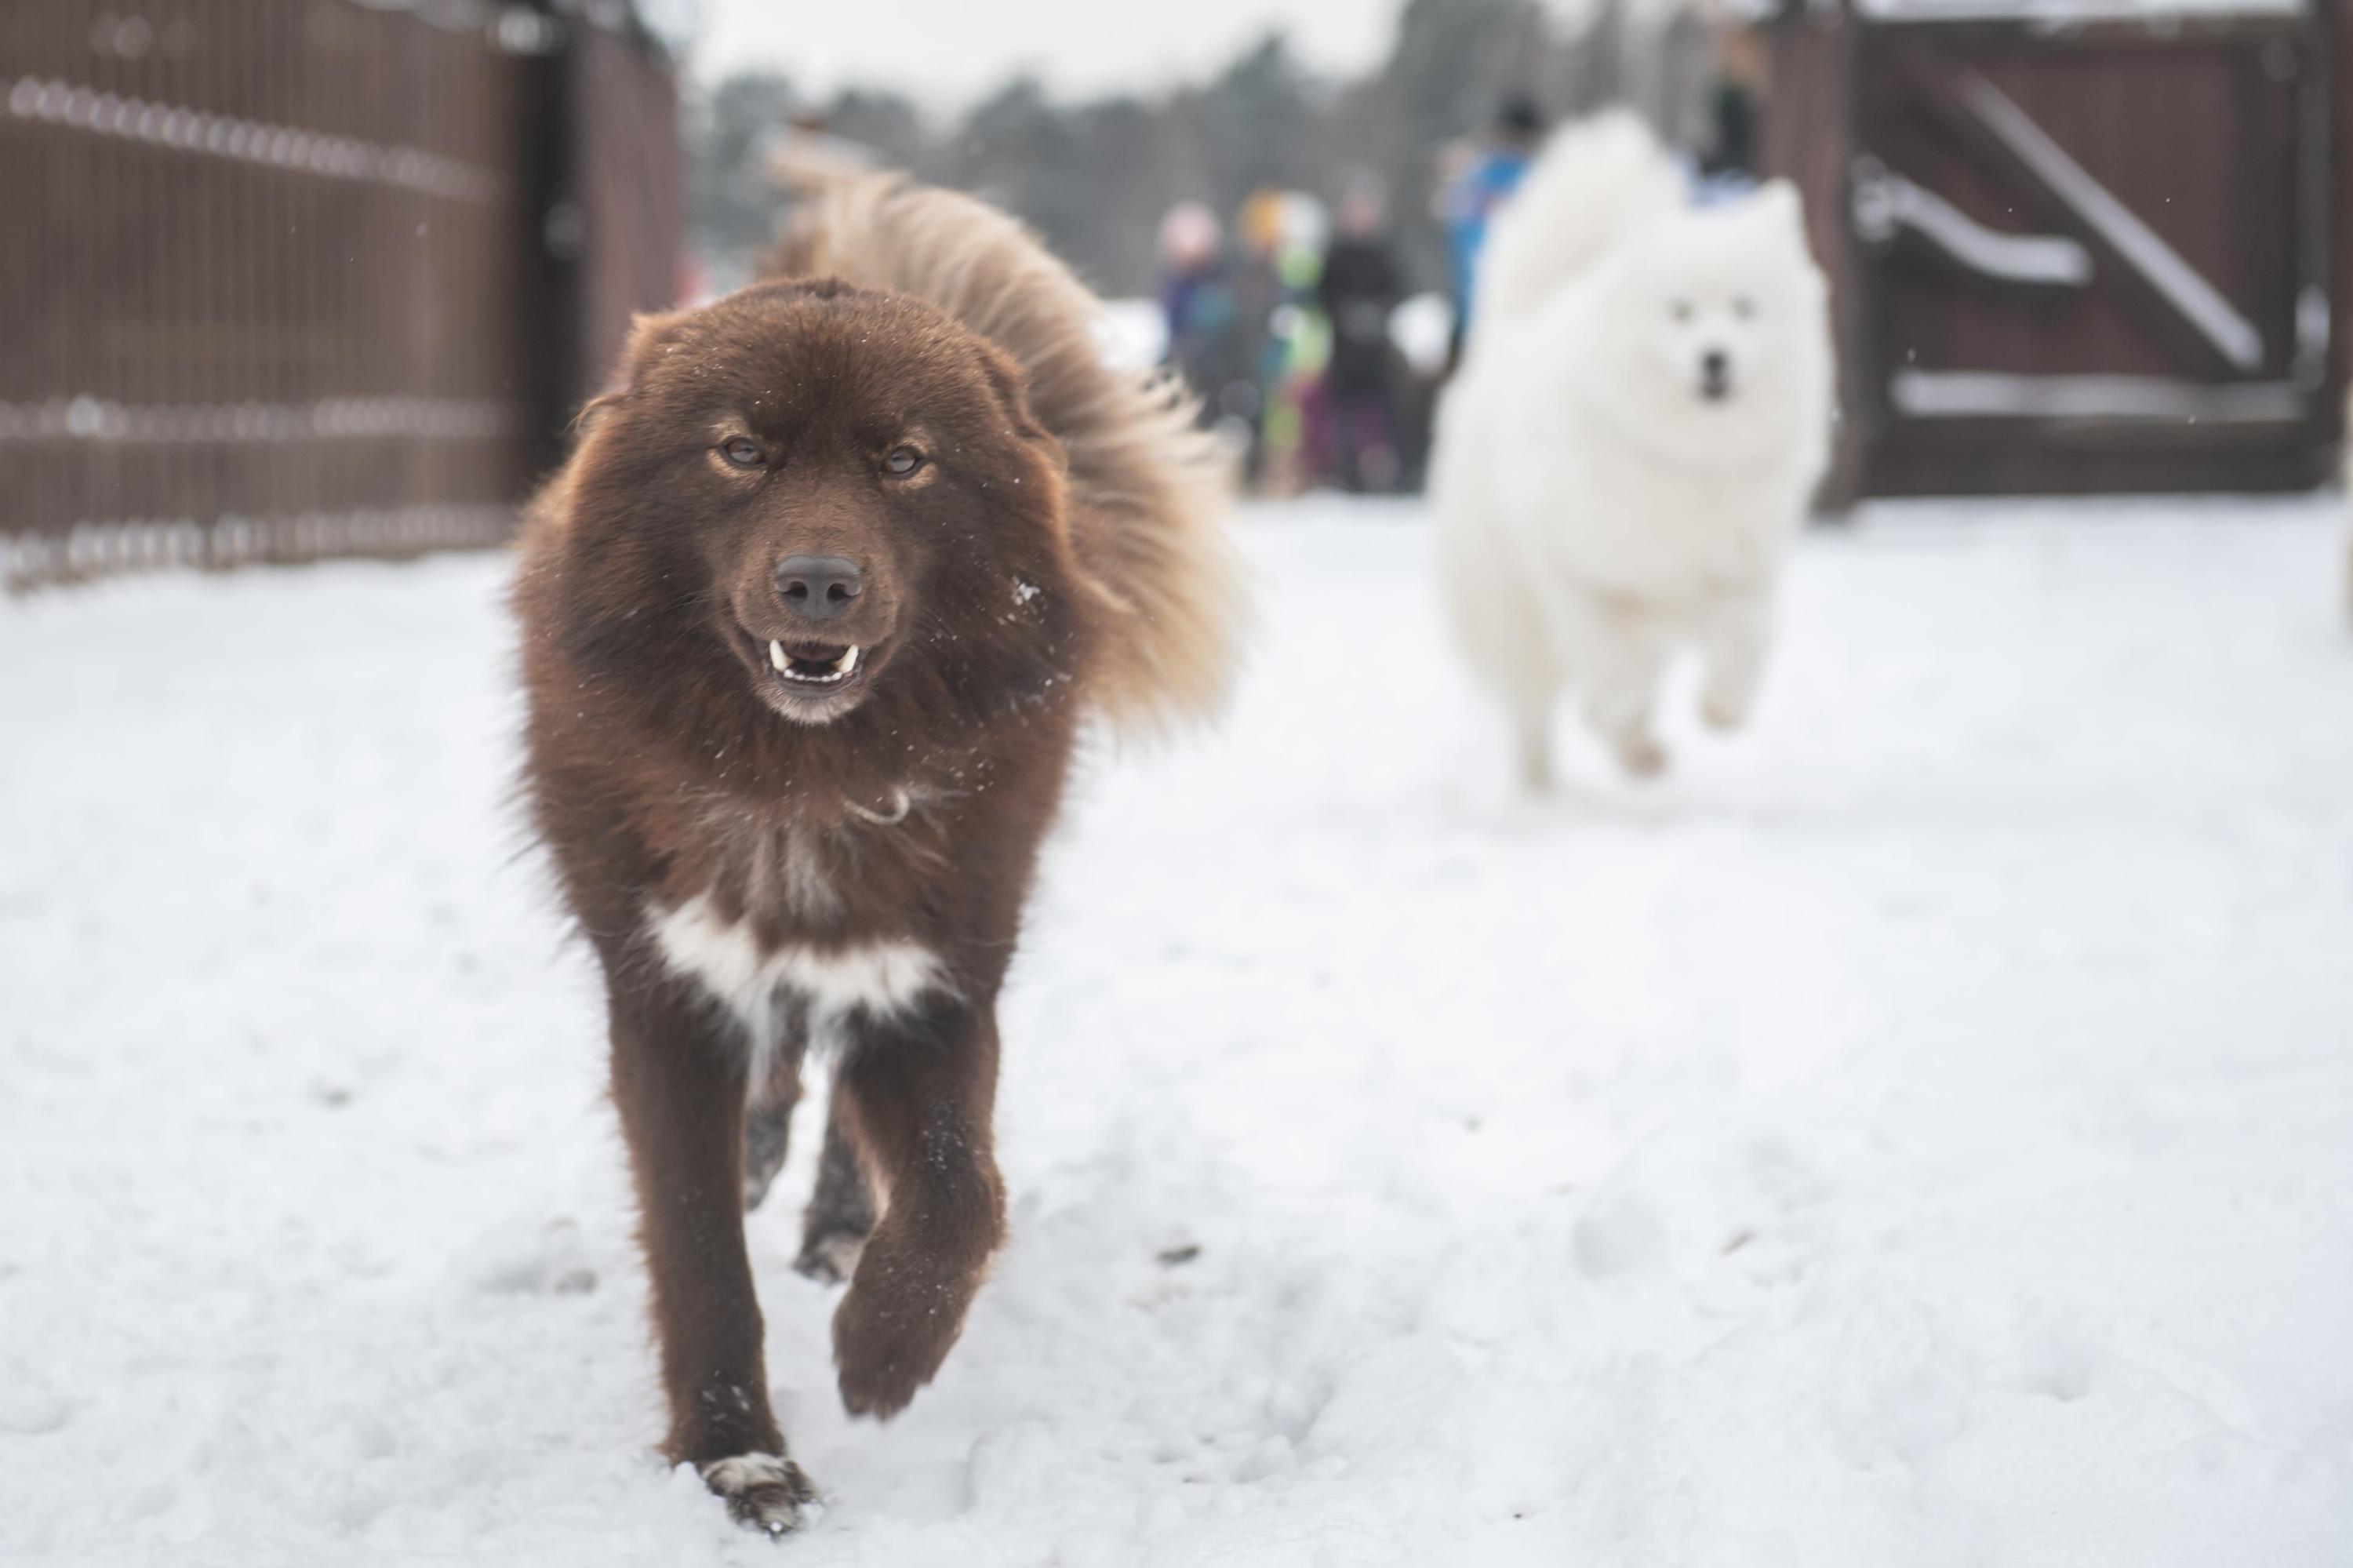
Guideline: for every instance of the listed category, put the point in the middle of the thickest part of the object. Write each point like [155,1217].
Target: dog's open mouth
[813,665]
[806,681]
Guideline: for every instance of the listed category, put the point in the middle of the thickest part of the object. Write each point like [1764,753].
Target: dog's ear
[1776,201]
[651,334]
[1011,385]
[593,411]
[1779,214]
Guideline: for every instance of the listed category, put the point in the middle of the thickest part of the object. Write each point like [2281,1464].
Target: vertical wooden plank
[2336,22]
[19,194]
[207,81]
[1809,138]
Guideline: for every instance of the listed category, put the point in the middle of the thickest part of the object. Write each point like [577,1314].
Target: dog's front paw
[1641,756]
[766,1491]
[889,1339]
[1720,713]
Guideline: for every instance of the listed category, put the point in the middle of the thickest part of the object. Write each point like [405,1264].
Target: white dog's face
[1710,338]
[1713,320]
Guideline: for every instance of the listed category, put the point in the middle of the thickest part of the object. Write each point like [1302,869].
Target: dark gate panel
[2094,259]
[631,186]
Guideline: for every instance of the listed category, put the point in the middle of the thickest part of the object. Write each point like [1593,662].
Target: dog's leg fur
[1515,653]
[677,1079]
[768,1119]
[1733,642]
[1531,713]
[1625,661]
[840,1212]
[920,1092]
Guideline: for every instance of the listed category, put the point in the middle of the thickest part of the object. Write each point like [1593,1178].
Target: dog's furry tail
[1595,181]
[1149,491]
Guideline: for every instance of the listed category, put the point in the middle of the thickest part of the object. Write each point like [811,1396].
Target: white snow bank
[1919,1133]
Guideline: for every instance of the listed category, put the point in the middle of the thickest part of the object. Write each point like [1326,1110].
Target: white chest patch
[727,960]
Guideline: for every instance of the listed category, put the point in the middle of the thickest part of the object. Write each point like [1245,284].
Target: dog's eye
[741,450]
[1680,310]
[902,462]
[1744,307]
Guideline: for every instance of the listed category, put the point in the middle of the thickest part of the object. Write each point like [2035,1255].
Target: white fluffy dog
[1639,420]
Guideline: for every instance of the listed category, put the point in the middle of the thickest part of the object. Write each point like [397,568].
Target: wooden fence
[285,279]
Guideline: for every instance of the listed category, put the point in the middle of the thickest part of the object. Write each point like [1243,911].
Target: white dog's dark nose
[1715,374]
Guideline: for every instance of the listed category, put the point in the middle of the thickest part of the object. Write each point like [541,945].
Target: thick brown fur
[766,852]
[1149,489]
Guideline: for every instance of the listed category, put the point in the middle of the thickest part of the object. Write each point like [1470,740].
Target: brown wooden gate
[2094,257]
[282,278]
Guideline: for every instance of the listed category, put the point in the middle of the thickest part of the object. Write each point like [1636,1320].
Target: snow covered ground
[1919,1132]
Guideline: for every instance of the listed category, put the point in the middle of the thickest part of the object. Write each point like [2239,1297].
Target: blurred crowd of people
[1301,334]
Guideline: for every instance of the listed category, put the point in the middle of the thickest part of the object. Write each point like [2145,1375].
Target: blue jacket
[1470,201]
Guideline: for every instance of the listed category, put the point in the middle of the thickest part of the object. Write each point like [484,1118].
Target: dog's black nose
[819,587]
[1715,375]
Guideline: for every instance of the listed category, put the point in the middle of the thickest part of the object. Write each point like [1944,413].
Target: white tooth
[776,655]
[847,662]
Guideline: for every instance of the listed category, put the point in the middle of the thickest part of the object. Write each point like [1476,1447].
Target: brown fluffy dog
[810,620]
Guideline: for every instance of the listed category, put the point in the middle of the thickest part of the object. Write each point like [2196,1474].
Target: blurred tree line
[1095,176]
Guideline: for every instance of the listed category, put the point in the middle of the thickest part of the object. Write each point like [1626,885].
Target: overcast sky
[951,51]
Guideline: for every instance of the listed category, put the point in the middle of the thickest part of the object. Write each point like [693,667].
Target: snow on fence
[291,279]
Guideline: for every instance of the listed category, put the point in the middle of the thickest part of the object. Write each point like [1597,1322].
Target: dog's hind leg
[1733,642]
[1523,671]
[841,1211]
[768,1116]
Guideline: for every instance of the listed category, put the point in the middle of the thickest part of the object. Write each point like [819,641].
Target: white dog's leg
[1622,688]
[1619,709]
[1532,737]
[1500,628]
[1733,642]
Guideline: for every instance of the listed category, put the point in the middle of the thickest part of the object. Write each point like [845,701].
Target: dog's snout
[1715,375]
[820,588]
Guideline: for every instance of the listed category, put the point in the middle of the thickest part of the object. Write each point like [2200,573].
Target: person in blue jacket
[1483,187]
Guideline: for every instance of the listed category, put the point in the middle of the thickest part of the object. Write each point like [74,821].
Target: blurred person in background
[1360,286]
[1208,344]
[1422,330]
[1732,152]
[1484,183]
[1286,230]
[1261,292]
